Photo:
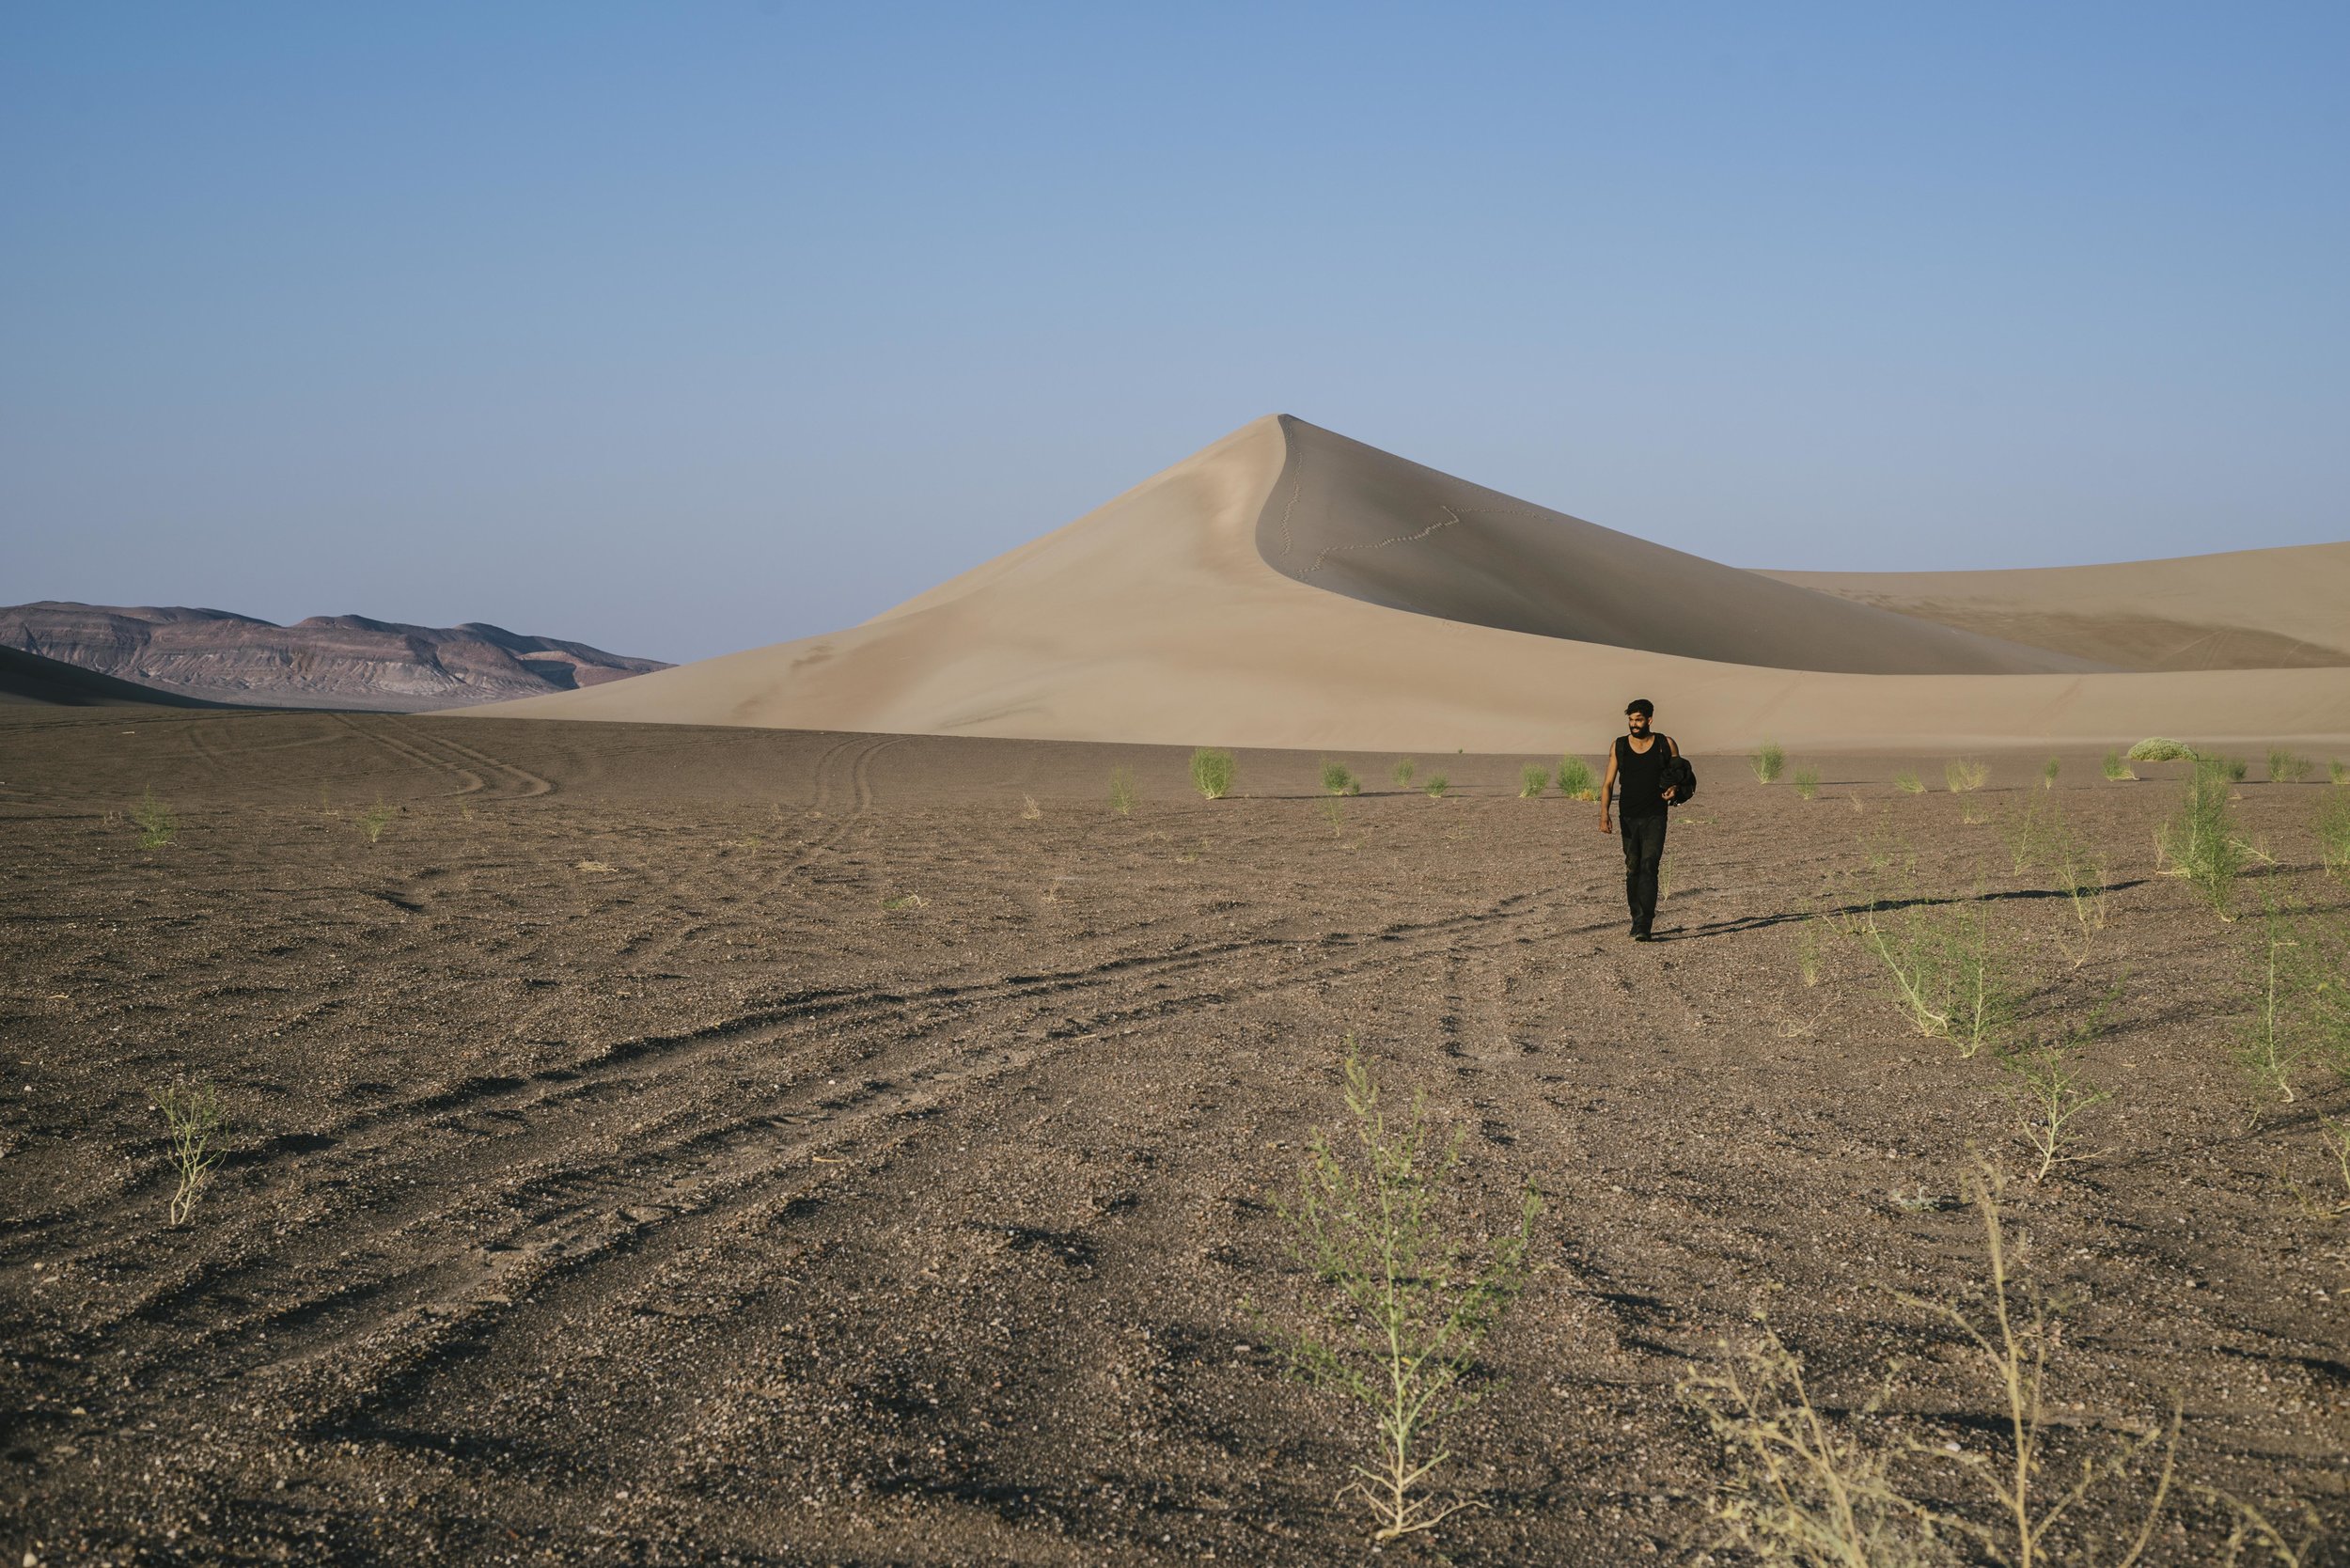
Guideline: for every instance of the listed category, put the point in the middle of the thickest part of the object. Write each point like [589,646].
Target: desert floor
[672,1145]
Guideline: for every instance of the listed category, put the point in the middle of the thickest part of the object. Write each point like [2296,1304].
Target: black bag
[1679,776]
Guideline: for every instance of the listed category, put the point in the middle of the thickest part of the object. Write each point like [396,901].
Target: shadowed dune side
[2244,609]
[1381,528]
[28,678]
[1156,619]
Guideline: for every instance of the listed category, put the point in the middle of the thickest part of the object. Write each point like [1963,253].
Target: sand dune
[1286,586]
[2246,609]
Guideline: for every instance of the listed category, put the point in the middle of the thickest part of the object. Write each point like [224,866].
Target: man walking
[1637,763]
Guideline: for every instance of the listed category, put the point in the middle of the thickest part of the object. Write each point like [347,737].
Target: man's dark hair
[1641,706]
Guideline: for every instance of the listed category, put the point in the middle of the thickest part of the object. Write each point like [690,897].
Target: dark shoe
[1642,937]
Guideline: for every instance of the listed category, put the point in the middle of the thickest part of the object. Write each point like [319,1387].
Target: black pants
[1643,851]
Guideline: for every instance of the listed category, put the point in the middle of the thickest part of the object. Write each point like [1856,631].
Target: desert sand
[1286,586]
[674,1144]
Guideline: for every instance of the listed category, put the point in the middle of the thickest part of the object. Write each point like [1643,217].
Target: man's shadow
[1758,922]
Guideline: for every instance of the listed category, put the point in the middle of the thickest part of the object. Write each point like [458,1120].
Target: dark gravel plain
[684,1146]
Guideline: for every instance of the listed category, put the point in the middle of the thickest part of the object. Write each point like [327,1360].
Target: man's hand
[1604,825]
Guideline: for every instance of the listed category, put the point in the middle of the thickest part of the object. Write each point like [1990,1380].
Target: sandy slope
[1286,586]
[2244,609]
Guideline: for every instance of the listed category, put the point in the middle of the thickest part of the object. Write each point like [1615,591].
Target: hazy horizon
[682,332]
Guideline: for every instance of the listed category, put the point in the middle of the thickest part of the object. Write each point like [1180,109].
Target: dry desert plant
[1122,795]
[1806,1491]
[1807,951]
[1408,1307]
[1337,779]
[374,820]
[1810,1490]
[1435,786]
[2051,1089]
[2332,1197]
[193,1114]
[1576,779]
[2048,770]
[1334,812]
[1212,771]
[2236,769]
[1908,783]
[905,900]
[1533,780]
[2338,773]
[2285,768]
[2254,1532]
[1963,774]
[1402,771]
[2116,769]
[1806,782]
[1768,761]
[2154,749]
[2011,1342]
[154,820]
[1029,811]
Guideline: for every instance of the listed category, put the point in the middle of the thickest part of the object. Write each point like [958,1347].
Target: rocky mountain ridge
[338,661]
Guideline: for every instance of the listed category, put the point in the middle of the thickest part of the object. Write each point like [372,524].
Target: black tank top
[1641,776]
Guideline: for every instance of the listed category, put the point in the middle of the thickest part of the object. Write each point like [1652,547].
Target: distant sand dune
[2246,609]
[1286,586]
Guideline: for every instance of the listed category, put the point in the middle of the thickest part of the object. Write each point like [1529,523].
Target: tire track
[532,1214]
[530,783]
[474,783]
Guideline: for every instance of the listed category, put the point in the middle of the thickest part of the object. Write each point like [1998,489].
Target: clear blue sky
[684,328]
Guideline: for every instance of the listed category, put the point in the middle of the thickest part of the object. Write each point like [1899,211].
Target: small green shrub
[1436,786]
[2116,769]
[1963,774]
[1212,771]
[2028,826]
[1767,762]
[2048,770]
[2081,873]
[1334,812]
[154,820]
[1407,1309]
[2285,768]
[1908,783]
[2156,749]
[193,1114]
[2200,842]
[374,820]
[1806,782]
[1402,771]
[1337,779]
[2286,1026]
[2333,833]
[1943,962]
[2236,769]
[2339,772]
[1533,780]
[1577,780]
[1122,795]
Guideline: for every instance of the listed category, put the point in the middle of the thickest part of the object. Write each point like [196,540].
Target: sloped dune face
[2243,609]
[1369,525]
